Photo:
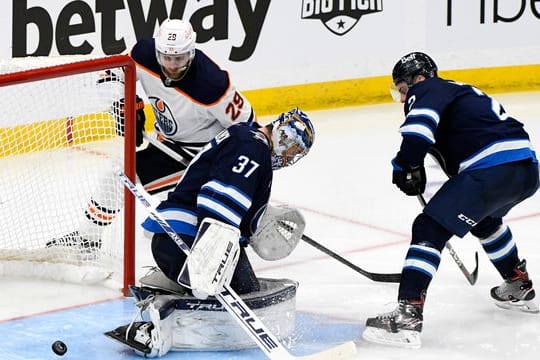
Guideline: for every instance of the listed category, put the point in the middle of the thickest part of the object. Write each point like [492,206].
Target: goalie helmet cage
[58,149]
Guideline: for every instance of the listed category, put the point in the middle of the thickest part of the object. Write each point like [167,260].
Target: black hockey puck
[59,348]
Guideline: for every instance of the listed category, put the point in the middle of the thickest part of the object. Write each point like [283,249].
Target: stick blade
[474,275]
[341,352]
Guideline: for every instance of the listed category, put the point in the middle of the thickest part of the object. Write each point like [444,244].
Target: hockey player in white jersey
[192,98]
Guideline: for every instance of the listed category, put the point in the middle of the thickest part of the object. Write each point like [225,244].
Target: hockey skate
[516,292]
[149,338]
[135,335]
[400,327]
[86,249]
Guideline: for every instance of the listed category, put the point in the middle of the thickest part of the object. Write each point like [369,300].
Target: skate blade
[526,306]
[119,334]
[404,338]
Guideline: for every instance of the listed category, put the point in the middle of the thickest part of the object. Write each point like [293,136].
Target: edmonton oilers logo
[339,16]
[164,116]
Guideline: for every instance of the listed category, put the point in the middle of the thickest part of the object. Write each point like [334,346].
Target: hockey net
[58,148]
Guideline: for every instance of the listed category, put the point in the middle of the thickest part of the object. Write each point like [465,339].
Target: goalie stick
[471,277]
[372,276]
[393,278]
[236,307]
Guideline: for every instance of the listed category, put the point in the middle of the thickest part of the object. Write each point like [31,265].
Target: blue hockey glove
[412,181]
[140,118]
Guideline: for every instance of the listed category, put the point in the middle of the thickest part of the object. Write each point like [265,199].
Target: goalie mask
[175,47]
[292,137]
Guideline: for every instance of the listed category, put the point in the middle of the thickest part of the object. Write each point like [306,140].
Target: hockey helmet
[411,65]
[292,137]
[175,44]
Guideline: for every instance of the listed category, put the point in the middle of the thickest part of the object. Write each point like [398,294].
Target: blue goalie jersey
[229,180]
[468,128]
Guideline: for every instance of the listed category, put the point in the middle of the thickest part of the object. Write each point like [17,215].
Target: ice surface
[344,189]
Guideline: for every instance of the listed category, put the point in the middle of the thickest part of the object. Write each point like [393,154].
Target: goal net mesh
[61,205]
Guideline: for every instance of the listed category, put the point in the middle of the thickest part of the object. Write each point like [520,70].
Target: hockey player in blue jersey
[230,181]
[491,166]
[222,202]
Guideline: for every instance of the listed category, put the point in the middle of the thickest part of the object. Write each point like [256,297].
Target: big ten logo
[339,16]
[72,28]
[501,11]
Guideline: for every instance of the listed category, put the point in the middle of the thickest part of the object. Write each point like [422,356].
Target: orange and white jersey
[195,108]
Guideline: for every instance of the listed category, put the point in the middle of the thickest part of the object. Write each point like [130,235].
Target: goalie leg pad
[156,279]
[280,230]
[213,257]
[204,324]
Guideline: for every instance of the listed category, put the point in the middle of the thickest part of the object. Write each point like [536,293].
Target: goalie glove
[140,118]
[278,233]
[213,258]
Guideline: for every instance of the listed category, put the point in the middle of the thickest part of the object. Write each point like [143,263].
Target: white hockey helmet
[292,137]
[175,44]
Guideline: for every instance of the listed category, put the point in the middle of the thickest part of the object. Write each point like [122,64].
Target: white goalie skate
[516,293]
[400,327]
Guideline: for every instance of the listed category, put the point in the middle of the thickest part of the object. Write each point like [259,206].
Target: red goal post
[55,150]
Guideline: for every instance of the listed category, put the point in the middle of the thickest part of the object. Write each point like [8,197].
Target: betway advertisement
[271,43]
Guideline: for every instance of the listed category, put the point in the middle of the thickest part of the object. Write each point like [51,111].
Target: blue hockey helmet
[292,137]
[411,65]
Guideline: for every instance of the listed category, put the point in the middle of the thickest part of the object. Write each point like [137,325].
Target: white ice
[344,190]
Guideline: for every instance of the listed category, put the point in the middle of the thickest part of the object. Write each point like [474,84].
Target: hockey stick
[236,307]
[155,142]
[471,277]
[393,278]
[372,276]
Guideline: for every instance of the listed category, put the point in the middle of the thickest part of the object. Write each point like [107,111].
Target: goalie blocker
[213,258]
